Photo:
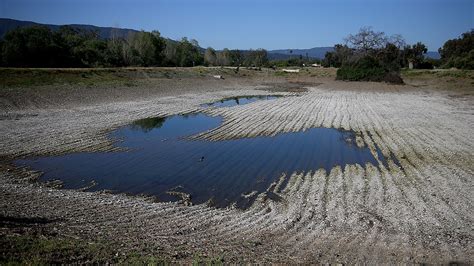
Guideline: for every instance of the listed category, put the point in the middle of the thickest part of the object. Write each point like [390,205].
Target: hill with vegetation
[7,24]
[30,44]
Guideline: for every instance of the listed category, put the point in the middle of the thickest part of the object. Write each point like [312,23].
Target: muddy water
[240,100]
[160,158]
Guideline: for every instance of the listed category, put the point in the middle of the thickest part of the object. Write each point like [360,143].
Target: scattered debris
[54,184]
[250,194]
[291,70]
[92,184]
[184,197]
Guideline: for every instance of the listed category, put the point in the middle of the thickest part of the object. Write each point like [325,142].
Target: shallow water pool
[161,158]
[240,100]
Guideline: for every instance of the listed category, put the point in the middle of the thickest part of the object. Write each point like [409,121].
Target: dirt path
[421,212]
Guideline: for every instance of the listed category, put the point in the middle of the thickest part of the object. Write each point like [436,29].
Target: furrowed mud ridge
[162,157]
[418,211]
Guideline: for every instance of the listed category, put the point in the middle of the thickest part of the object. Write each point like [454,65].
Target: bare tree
[115,47]
[127,50]
[223,57]
[210,57]
[367,39]
[397,40]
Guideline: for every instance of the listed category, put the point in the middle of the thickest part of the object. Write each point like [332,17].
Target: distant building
[316,65]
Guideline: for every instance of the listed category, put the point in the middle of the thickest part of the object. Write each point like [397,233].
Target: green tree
[341,54]
[70,47]
[388,57]
[159,45]
[29,47]
[170,53]
[236,57]
[256,58]
[368,55]
[459,52]
[414,54]
[329,59]
[92,52]
[114,56]
[147,48]
[73,44]
[187,53]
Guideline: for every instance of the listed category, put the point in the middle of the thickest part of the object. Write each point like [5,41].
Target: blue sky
[259,24]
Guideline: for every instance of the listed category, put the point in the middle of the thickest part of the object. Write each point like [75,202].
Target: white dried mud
[419,212]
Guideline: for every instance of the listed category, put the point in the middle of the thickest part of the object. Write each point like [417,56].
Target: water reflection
[161,161]
[148,124]
[240,100]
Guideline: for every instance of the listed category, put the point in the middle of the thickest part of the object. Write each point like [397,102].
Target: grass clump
[46,250]
[21,250]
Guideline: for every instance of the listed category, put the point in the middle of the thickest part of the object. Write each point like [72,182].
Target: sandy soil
[421,212]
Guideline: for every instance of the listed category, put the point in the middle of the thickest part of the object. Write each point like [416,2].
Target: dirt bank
[419,212]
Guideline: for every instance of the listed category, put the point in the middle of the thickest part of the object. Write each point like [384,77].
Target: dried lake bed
[364,211]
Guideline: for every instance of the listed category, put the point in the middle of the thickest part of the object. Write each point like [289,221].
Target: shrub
[434,62]
[370,56]
[425,65]
[367,69]
[462,62]
[393,77]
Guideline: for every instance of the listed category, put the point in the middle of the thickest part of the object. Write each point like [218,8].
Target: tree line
[379,46]
[226,57]
[39,46]
[374,56]
[457,53]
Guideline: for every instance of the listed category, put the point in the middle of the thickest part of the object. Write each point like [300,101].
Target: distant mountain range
[7,24]
[433,55]
[316,52]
